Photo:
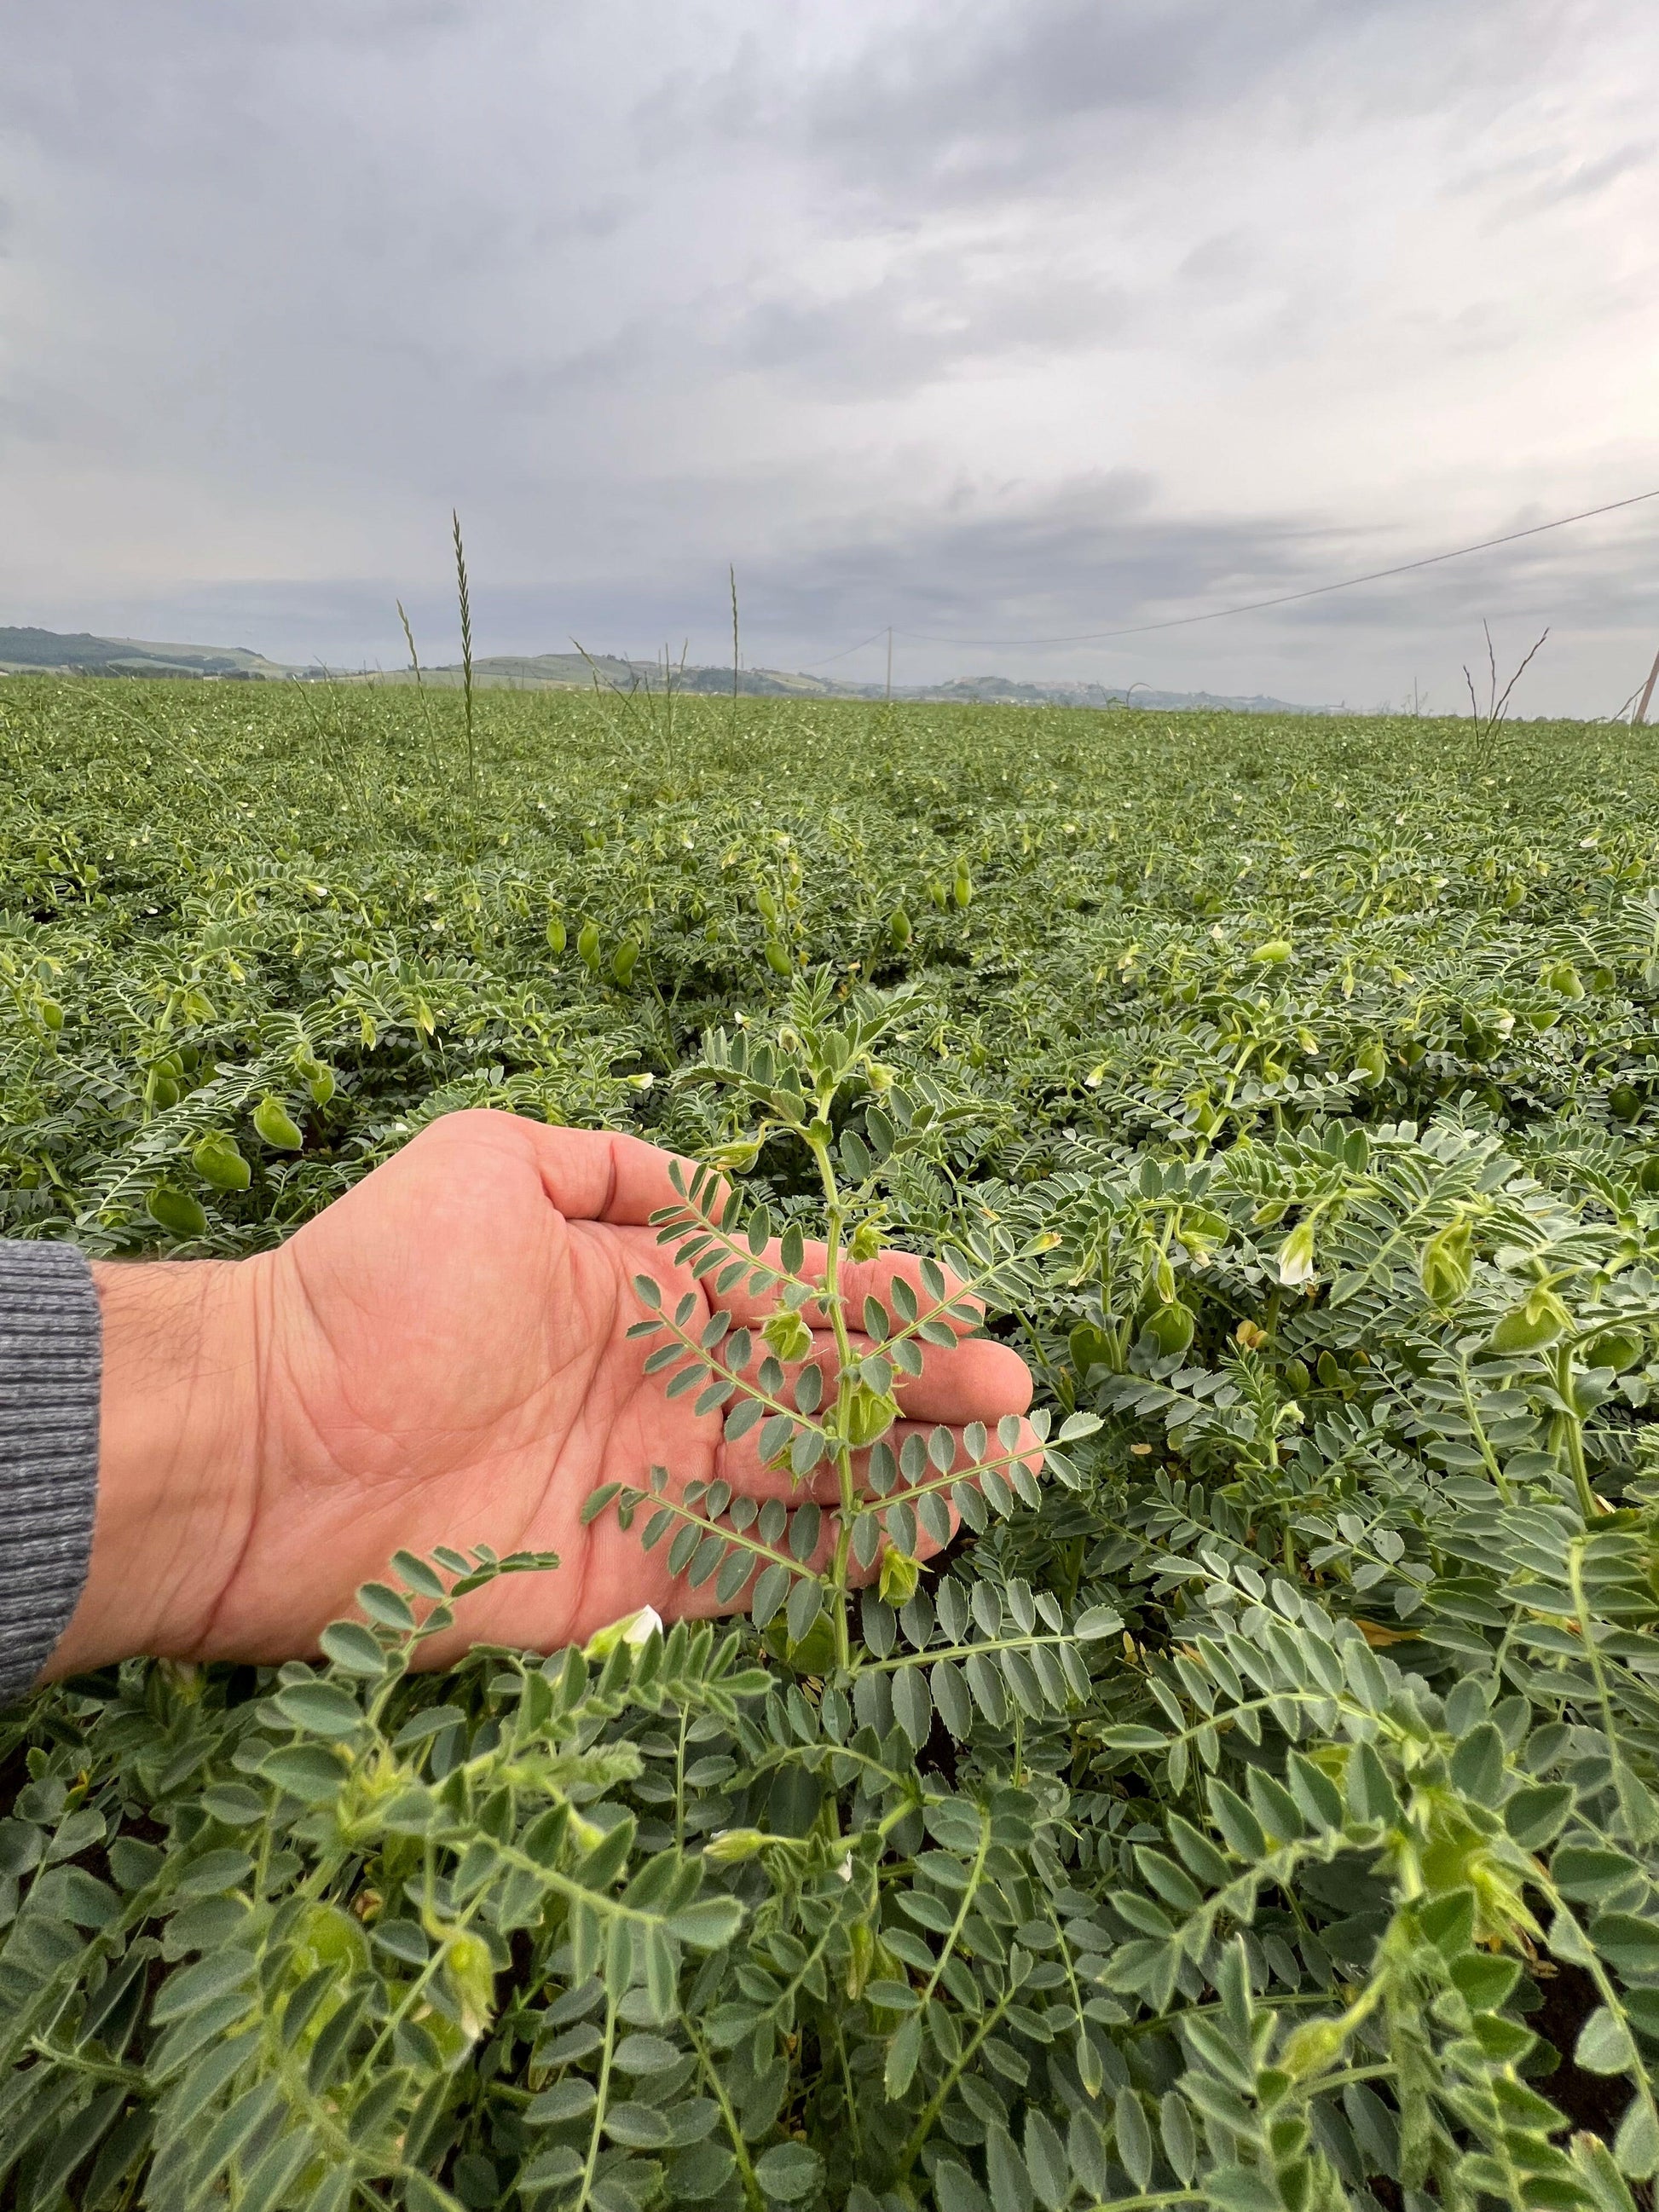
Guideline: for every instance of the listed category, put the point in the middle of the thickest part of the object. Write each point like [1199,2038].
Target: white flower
[1296,1256]
[633,1629]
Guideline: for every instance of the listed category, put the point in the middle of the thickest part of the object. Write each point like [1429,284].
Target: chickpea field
[1255,1806]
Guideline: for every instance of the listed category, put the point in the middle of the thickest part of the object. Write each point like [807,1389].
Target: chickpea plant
[822,1086]
[1238,1790]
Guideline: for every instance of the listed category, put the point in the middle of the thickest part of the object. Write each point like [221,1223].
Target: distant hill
[54,652]
[547,671]
[1010,691]
[49,651]
[565,671]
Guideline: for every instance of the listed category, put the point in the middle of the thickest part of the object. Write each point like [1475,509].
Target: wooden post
[732,574]
[1640,714]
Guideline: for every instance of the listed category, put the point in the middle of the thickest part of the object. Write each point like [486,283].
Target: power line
[844,652]
[1256,606]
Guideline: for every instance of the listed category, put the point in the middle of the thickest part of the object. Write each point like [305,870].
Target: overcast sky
[993,319]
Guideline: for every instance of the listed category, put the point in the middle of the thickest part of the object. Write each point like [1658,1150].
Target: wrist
[177,1458]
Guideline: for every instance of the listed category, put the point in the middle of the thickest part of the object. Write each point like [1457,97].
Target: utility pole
[1640,714]
[889,670]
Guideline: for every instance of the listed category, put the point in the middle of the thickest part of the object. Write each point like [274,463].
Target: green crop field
[1260,1809]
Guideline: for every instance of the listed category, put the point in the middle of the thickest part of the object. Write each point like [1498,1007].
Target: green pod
[870,1414]
[471,1972]
[787,1335]
[276,1126]
[1624,1102]
[623,960]
[1617,1348]
[1446,1262]
[1090,1346]
[1370,1062]
[963,889]
[900,1574]
[1274,952]
[1479,1042]
[217,1160]
[777,958]
[1648,1177]
[51,1013]
[176,1211]
[556,933]
[898,929]
[1530,1327]
[813,1653]
[330,1937]
[1171,1328]
[588,944]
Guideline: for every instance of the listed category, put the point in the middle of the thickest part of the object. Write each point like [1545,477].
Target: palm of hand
[444,1359]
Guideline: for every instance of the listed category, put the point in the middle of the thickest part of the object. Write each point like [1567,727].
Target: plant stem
[953,2074]
[832,1302]
[604,2085]
[1573,1434]
[751,2188]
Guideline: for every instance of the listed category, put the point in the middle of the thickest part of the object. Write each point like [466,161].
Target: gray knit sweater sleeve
[51,1366]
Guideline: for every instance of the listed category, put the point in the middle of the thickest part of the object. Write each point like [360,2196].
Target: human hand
[441,1357]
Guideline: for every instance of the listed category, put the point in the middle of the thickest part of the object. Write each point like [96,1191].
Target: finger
[922,1470]
[926,1548]
[975,1380]
[739,1462]
[858,1280]
[602,1174]
[686,1602]
[874,1278]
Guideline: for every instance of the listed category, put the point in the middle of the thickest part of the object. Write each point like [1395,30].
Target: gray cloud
[970,98]
[1093,557]
[987,318]
[1555,176]
[910,330]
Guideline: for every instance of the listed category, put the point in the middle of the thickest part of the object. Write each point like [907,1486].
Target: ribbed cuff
[51,1367]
